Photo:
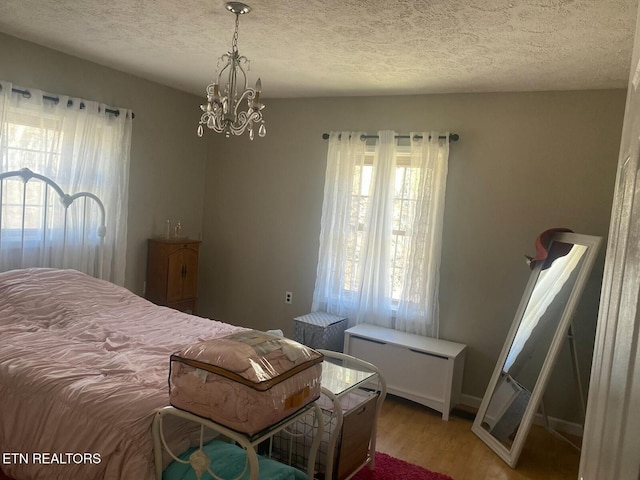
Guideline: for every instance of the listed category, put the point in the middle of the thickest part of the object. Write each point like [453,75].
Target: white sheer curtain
[381,230]
[418,309]
[80,146]
[337,278]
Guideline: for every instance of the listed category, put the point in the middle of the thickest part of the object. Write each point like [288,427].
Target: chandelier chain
[234,44]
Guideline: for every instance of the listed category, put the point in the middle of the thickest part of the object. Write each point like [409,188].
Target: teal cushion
[227,462]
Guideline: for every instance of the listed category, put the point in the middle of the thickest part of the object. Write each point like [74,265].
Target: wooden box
[353,443]
[172,273]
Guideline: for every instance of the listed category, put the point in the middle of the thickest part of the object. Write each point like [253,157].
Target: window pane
[367,173]
[397,265]
[406,183]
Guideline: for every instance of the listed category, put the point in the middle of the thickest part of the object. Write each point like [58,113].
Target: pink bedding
[83,366]
[247,381]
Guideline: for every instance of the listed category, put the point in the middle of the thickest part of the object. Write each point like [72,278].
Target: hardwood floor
[418,435]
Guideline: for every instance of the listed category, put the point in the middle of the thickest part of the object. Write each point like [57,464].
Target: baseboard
[562,426]
[470,401]
[557,424]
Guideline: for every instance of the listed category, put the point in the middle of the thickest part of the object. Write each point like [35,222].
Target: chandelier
[233,108]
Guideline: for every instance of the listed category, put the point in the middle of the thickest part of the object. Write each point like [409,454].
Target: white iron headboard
[65,199]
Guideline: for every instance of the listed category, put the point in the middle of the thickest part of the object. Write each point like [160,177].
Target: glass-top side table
[341,374]
[353,391]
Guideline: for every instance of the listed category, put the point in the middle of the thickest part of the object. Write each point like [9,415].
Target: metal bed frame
[66,200]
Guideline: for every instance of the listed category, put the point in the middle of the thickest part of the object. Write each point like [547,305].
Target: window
[81,147]
[404,199]
[381,230]
[30,144]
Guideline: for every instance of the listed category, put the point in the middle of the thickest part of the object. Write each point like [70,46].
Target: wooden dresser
[172,273]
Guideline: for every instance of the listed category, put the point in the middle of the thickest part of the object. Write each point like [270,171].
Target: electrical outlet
[288,297]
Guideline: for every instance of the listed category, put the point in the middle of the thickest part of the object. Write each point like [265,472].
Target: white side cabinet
[426,370]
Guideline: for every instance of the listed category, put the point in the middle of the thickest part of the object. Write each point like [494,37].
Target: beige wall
[167,158]
[525,162]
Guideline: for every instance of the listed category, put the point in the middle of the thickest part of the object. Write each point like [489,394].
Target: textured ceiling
[329,47]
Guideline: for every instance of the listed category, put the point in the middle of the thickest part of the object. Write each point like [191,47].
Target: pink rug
[390,468]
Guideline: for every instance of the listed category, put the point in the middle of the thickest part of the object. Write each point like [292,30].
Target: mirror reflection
[532,340]
[540,328]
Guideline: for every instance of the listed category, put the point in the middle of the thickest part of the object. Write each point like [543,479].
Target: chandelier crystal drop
[233,108]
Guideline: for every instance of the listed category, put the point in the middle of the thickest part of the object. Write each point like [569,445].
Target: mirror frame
[511,455]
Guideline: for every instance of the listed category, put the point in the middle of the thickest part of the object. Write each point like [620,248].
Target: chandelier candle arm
[223,112]
[256,100]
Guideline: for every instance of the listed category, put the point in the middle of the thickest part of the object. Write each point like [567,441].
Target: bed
[83,367]
[83,370]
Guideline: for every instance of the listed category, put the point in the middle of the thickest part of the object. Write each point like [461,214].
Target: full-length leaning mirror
[540,327]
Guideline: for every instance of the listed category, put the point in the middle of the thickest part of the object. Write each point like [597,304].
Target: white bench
[422,369]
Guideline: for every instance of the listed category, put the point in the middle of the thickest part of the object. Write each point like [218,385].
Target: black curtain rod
[27,94]
[453,137]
